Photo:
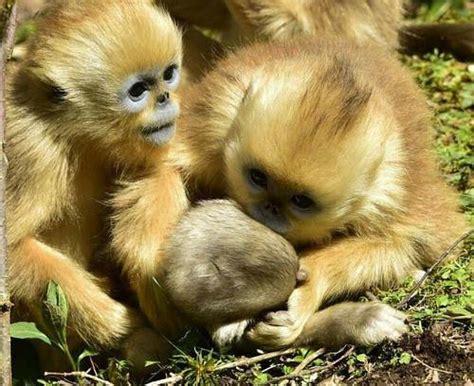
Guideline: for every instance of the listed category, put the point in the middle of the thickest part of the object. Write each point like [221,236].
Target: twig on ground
[250,361]
[166,381]
[79,374]
[428,366]
[349,351]
[306,361]
[309,371]
[8,12]
[240,362]
[439,261]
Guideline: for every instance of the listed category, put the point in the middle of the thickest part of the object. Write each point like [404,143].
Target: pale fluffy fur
[346,124]
[69,142]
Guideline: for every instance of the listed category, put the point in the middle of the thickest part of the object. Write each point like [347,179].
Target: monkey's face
[112,69]
[149,101]
[299,161]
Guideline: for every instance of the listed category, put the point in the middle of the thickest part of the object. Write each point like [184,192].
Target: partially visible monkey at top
[91,112]
[364,22]
[328,144]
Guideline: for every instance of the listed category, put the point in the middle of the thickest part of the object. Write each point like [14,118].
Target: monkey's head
[306,149]
[107,71]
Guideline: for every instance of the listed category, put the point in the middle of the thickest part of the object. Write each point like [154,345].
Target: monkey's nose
[272,208]
[163,98]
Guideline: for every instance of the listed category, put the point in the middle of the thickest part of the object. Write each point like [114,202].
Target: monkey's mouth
[160,134]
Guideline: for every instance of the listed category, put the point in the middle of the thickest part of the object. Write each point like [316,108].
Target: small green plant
[198,369]
[54,311]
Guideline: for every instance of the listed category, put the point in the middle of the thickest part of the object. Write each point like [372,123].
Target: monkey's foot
[379,322]
[279,329]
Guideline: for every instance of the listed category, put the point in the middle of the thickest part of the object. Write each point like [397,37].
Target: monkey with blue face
[91,112]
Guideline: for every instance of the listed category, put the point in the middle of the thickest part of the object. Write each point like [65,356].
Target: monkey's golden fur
[70,140]
[362,21]
[346,126]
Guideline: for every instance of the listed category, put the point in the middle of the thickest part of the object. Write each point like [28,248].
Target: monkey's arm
[345,267]
[457,39]
[145,211]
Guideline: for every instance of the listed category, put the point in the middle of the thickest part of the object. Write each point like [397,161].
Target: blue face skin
[274,204]
[135,97]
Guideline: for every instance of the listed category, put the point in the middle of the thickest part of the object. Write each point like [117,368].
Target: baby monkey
[91,113]
[224,269]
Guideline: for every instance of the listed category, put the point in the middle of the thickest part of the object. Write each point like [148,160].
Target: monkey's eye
[302,202]
[258,178]
[138,91]
[171,75]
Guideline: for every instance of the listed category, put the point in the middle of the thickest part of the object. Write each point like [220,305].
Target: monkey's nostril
[272,208]
[163,98]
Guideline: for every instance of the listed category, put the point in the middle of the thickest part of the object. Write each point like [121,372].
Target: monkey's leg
[98,319]
[345,267]
[145,212]
[457,39]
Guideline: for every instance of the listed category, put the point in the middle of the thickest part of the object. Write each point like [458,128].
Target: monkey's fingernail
[302,276]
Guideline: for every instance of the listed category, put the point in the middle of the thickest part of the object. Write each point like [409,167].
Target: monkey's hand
[280,329]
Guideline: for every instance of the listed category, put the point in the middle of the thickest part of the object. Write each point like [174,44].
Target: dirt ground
[443,354]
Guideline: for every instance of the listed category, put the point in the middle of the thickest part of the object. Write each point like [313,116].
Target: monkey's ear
[50,87]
